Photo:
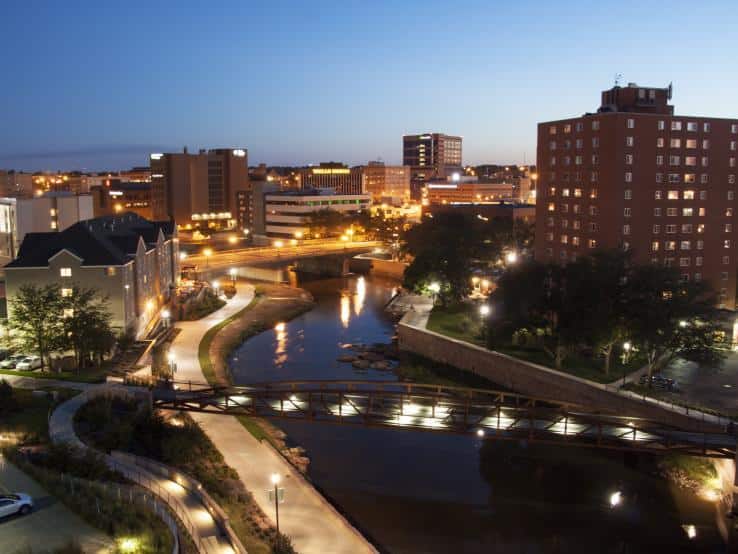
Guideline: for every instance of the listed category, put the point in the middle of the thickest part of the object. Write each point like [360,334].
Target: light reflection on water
[394,482]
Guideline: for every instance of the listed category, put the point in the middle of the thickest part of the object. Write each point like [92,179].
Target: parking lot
[715,388]
[49,526]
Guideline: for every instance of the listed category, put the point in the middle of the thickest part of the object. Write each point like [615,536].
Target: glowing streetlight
[182,256]
[691,531]
[298,235]
[434,287]
[278,244]
[484,310]
[616,499]
[172,363]
[344,238]
[128,544]
[233,272]
[216,286]
[682,324]
[166,315]
[207,252]
[480,433]
[232,240]
[511,257]
[626,355]
[293,242]
[275,481]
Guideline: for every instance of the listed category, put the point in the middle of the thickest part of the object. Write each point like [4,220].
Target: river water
[414,492]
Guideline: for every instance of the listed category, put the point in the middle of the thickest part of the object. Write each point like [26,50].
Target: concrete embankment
[539,381]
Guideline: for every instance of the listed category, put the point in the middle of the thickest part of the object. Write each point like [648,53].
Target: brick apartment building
[634,175]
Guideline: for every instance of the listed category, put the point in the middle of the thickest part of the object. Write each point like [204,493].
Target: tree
[35,318]
[671,318]
[326,222]
[87,325]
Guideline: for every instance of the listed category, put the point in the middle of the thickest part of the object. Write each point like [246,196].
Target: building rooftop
[108,240]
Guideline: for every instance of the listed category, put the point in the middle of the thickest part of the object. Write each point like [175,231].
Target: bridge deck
[489,413]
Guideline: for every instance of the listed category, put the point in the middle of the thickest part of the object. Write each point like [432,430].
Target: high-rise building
[337,177]
[199,190]
[386,183]
[633,175]
[430,156]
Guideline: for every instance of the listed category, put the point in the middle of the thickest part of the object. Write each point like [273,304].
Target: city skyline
[344,82]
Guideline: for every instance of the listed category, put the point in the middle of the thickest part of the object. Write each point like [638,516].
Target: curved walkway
[312,523]
[188,506]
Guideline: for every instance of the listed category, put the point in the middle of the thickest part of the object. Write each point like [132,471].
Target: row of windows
[630,142]
[688,194]
[576,208]
[672,177]
[671,245]
[675,125]
[674,160]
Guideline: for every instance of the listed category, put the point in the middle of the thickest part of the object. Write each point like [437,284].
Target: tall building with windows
[386,183]
[199,190]
[634,175]
[430,156]
[331,176]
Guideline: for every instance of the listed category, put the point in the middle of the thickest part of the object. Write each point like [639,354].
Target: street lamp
[616,499]
[511,257]
[232,240]
[216,286]
[350,233]
[275,481]
[682,324]
[166,315]
[435,288]
[207,252]
[232,272]
[484,310]
[626,355]
[182,256]
[172,364]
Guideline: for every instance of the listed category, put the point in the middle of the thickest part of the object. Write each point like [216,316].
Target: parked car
[29,362]
[11,361]
[17,503]
[660,382]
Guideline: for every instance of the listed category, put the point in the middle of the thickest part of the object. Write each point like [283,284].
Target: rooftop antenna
[670,91]
[618,78]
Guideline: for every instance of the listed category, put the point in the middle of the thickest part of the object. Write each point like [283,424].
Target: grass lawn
[92,375]
[462,322]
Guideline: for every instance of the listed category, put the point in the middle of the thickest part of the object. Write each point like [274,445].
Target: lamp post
[216,286]
[511,257]
[626,354]
[233,272]
[166,317]
[275,481]
[172,364]
[207,252]
[435,288]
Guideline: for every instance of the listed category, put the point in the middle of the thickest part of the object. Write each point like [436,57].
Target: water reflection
[280,349]
[360,295]
[345,310]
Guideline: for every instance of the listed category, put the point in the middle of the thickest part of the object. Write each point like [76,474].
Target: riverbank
[271,305]
[306,517]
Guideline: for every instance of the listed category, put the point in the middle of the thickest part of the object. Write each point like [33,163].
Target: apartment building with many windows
[633,175]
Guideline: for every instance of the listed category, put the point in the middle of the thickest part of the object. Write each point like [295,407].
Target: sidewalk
[311,522]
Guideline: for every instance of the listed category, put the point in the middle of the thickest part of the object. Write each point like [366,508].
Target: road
[228,258]
[311,522]
[51,524]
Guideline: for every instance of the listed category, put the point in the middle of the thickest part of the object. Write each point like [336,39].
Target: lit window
[660,142]
[66,293]
[626,212]
[673,195]
[700,227]
[690,160]
[110,271]
[631,123]
[654,246]
[629,141]
[726,243]
[692,126]
[728,228]
[675,143]
[683,262]
[592,243]
[657,195]
[626,229]
[706,127]
[676,125]
[628,194]
[698,262]
[629,159]
[656,229]
[685,245]
[691,143]
[686,228]
[670,245]
[687,212]
[628,177]
[65,271]
[661,125]
[68,312]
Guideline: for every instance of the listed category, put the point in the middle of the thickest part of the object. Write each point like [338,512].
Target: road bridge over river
[488,413]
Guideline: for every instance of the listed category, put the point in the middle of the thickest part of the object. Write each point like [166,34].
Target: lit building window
[66,293]
[65,271]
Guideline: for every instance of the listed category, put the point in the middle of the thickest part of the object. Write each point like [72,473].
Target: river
[419,492]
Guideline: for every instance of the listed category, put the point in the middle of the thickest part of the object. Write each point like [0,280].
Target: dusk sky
[99,85]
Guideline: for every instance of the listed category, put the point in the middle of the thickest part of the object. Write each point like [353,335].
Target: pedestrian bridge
[451,409]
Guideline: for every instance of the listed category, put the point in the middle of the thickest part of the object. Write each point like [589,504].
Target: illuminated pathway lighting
[691,531]
[480,433]
[616,499]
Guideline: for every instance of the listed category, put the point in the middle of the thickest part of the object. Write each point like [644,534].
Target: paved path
[50,525]
[311,522]
[186,504]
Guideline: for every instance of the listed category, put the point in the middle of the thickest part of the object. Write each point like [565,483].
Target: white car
[17,503]
[10,361]
[29,362]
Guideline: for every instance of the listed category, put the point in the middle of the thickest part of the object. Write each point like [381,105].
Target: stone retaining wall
[535,380]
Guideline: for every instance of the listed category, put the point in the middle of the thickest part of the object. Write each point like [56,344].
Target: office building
[386,183]
[122,196]
[462,188]
[333,176]
[130,260]
[430,156]
[286,214]
[54,211]
[636,176]
[199,190]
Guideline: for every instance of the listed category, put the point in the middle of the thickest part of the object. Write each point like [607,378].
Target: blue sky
[98,85]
